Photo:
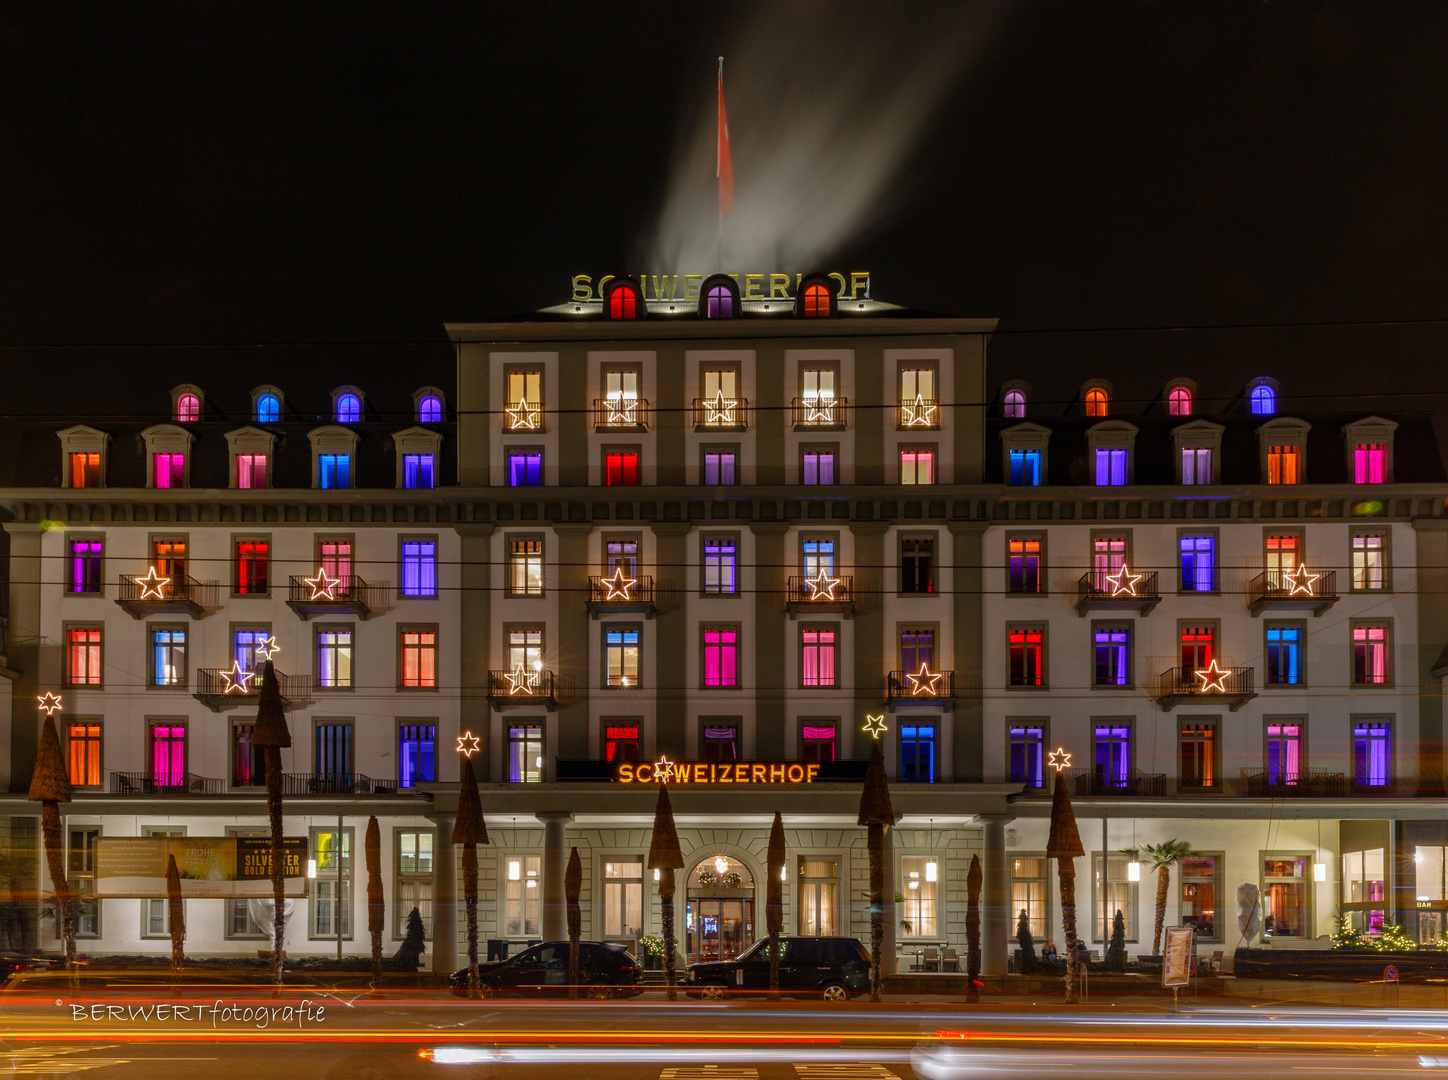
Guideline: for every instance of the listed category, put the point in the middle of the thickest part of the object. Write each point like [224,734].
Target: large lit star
[1059,759]
[324,586]
[268,648]
[621,411]
[919,414]
[1214,678]
[874,725]
[153,585]
[721,411]
[236,678]
[821,410]
[1303,581]
[468,744]
[663,770]
[822,586]
[49,703]
[925,681]
[524,416]
[619,587]
[1123,582]
[520,681]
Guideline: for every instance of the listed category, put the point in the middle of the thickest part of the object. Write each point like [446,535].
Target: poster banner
[1176,960]
[225,867]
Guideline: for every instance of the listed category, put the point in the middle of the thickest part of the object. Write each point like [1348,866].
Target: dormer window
[1096,401]
[623,300]
[266,404]
[1015,405]
[251,451]
[1262,397]
[719,303]
[429,405]
[168,455]
[1198,451]
[1283,448]
[816,302]
[816,297]
[1179,402]
[1109,447]
[186,403]
[1024,446]
[83,457]
[418,458]
[1370,450]
[348,406]
[334,451]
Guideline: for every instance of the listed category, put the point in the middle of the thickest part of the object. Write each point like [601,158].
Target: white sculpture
[1249,911]
[263,914]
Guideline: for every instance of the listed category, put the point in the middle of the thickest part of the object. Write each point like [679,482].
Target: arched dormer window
[816,299]
[624,301]
[1015,405]
[719,297]
[186,404]
[1096,401]
[266,404]
[347,405]
[429,405]
[1263,399]
[1179,402]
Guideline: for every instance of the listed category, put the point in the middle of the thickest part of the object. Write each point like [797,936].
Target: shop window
[623,888]
[413,887]
[621,742]
[1025,468]
[1024,575]
[917,564]
[1372,753]
[416,755]
[817,657]
[523,896]
[621,656]
[1284,654]
[1284,753]
[721,656]
[1198,563]
[1027,656]
[525,567]
[419,568]
[621,468]
[1028,894]
[80,873]
[1113,655]
[334,658]
[252,567]
[524,753]
[818,742]
[419,659]
[1120,895]
[919,874]
[1027,756]
[1198,756]
[1370,655]
[1364,889]
[917,753]
[83,753]
[721,566]
[1284,897]
[1113,754]
[417,471]
[1369,561]
[331,889]
[525,469]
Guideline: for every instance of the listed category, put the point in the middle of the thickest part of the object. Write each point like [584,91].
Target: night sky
[348,178]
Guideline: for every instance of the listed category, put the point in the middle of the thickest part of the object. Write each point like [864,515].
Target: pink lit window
[721,653]
[251,470]
[170,470]
[917,466]
[188,408]
[1179,403]
[817,663]
[1369,463]
[819,743]
[168,755]
[1369,655]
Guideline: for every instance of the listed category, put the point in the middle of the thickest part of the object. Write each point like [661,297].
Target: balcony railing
[1121,590]
[1299,784]
[150,594]
[821,592]
[317,594]
[721,413]
[618,593]
[136,783]
[921,414]
[1233,686]
[817,412]
[1300,589]
[622,414]
[334,784]
[523,415]
[217,692]
[1098,783]
[923,684]
[522,687]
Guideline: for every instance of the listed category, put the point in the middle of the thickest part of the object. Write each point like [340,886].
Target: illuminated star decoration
[665,767]
[874,725]
[49,703]
[1213,678]
[721,410]
[520,681]
[268,648]
[524,416]
[821,410]
[236,678]
[323,585]
[468,744]
[918,414]
[1304,582]
[1059,759]
[619,587]
[621,411]
[925,681]
[153,585]
[1123,581]
[822,586]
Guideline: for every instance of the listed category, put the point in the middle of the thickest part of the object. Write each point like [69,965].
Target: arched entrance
[719,916]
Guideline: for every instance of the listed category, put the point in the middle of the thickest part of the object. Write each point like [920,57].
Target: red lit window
[251,567]
[1197,647]
[85,470]
[621,742]
[1096,402]
[623,303]
[621,469]
[1028,648]
[83,657]
[816,301]
[251,470]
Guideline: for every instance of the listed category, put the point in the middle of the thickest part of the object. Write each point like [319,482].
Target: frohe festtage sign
[761,286]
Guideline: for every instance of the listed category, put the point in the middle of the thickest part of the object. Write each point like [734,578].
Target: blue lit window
[417,471]
[268,409]
[1110,468]
[419,568]
[416,754]
[525,470]
[1284,655]
[168,652]
[1113,754]
[917,753]
[1027,746]
[1372,754]
[1025,468]
[1199,563]
[429,410]
[1264,401]
[1113,656]
[334,470]
[349,409]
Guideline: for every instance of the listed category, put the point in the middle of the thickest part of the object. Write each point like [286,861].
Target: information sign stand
[1176,960]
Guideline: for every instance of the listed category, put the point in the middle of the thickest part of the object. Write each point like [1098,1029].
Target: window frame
[637,628]
[736,538]
[1189,533]
[402,541]
[818,449]
[94,830]
[1300,625]
[346,909]
[524,451]
[401,910]
[510,557]
[1044,649]
[705,628]
[1027,723]
[151,672]
[936,724]
[1025,437]
[399,724]
[237,539]
[1215,782]
[835,648]
[1133,891]
[1109,625]
[836,744]
[622,451]
[932,537]
[1218,908]
[939,891]
[1299,720]
[1283,431]
[99,723]
[703,723]
[71,539]
[350,629]
[1385,534]
[919,450]
[146,934]
[1045,881]
[68,669]
[1041,575]
[606,722]
[706,449]
[1390,721]
[403,629]
[1389,637]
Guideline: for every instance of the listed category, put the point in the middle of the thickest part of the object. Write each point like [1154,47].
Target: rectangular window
[414,880]
[1283,465]
[83,656]
[523,896]
[1284,903]
[247,766]
[331,899]
[1113,754]
[156,913]
[1284,654]
[917,383]
[334,471]
[817,659]
[623,899]
[1284,753]
[917,466]
[621,468]
[334,658]
[818,467]
[168,657]
[720,742]
[721,656]
[1369,561]
[1025,468]
[419,659]
[419,568]
[248,646]
[1110,468]
[85,567]
[1370,655]
[1113,655]
[1027,756]
[336,559]
[621,656]
[719,468]
[917,647]
[621,742]
[1120,895]
[417,471]
[1198,563]
[85,470]
[525,567]
[818,557]
[1201,891]
[332,753]
[1281,559]
[1198,755]
[1198,648]
[919,874]
[526,388]
[252,577]
[917,564]
[819,886]
[1028,656]
[1108,556]
[1196,465]
[83,753]
[721,565]
[525,649]
[1372,759]
[818,385]
[1369,463]
[1028,894]
[917,753]
[621,555]
[168,755]
[250,471]
[170,470]
[818,742]
[525,469]
[524,753]
[80,873]
[1025,566]
[724,382]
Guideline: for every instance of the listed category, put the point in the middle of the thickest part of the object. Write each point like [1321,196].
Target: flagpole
[718,166]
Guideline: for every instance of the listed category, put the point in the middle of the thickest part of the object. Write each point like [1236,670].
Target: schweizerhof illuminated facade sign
[761,286]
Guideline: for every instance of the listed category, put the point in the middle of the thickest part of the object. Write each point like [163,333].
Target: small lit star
[49,703]
[1059,759]
[524,416]
[663,770]
[821,411]
[153,585]
[822,586]
[1304,582]
[468,744]
[925,681]
[520,681]
[619,587]
[1123,582]
[919,414]
[1213,678]
[323,585]
[874,725]
[621,411]
[268,648]
[236,678]
[721,410]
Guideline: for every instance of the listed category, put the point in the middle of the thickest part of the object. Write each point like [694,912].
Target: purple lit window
[1371,746]
[720,303]
[819,467]
[721,743]
[917,647]
[170,470]
[417,471]
[429,410]
[419,568]
[416,754]
[1113,755]
[1027,747]
[525,470]
[1110,468]
[1284,753]
[1113,656]
[85,566]
[721,657]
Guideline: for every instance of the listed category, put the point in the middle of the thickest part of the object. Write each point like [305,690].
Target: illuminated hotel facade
[731,537]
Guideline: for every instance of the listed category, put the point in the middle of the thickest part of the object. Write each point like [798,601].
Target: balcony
[922,414]
[922,687]
[229,688]
[334,784]
[1093,783]
[325,595]
[135,783]
[520,687]
[1122,591]
[152,594]
[1210,686]
[1302,784]
[621,414]
[617,594]
[821,594]
[817,414]
[1295,590]
[523,415]
[720,413]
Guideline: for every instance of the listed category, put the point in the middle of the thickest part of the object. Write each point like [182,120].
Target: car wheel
[835,992]
[600,993]
[713,991]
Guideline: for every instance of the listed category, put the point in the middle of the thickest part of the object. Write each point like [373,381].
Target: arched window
[349,409]
[721,303]
[429,410]
[188,408]
[623,302]
[268,409]
[816,302]
[1096,402]
[1264,401]
[1016,405]
[1179,402]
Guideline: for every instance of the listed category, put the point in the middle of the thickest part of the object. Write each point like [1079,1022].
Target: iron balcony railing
[135,589]
[721,413]
[920,413]
[212,682]
[918,685]
[638,589]
[816,412]
[327,783]
[521,685]
[622,414]
[139,783]
[1127,585]
[1299,584]
[817,590]
[1295,784]
[1200,682]
[1099,783]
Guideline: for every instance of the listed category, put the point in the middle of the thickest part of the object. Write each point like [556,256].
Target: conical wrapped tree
[774,897]
[973,881]
[470,831]
[175,913]
[1064,845]
[50,786]
[877,815]
[665,857]
[376,901]
[272,735]
[572,891]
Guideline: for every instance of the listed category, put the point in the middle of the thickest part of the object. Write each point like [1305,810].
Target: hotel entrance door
[719,916]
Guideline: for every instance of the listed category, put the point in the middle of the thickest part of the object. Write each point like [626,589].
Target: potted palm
[1162,857]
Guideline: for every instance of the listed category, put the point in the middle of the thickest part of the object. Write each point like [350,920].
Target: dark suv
[829,967]
[604,971]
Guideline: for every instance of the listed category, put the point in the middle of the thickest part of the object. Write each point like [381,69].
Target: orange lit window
[84,743]
[1096,402]
[419,658]
[1282,465]
[623,303]
[83,657]
[816,302]
[85,470]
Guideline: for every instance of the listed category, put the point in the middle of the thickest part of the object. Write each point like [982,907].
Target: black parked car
[604,971]
[829,967]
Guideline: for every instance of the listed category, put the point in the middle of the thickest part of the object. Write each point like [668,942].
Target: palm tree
[1162,858]
[272,734]
[50,787]
[877,815]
